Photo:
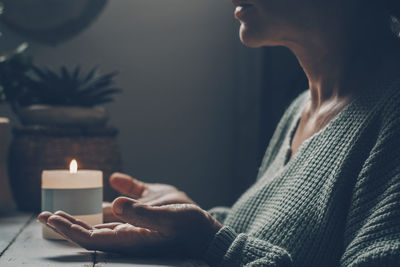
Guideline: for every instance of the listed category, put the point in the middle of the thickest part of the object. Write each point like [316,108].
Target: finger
[108,215]
[141,215]
[43,218]
[73,219]
[107,225]
[104,239]
[74,232]
[164,200]
[127,185]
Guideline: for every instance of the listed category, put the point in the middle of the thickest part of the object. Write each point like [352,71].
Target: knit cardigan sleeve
[372,232]
[231,249]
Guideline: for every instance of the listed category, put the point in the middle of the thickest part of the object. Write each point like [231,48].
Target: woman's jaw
[255,24]
[245,12]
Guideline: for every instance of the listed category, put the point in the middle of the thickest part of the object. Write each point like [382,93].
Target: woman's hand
[149,229]
[146,193]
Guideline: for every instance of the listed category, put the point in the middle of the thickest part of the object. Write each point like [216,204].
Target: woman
[328,190]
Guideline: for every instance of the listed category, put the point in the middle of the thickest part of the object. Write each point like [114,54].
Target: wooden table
[21,244]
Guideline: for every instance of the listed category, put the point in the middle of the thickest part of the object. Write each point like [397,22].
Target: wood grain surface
[30,249]
[10,227]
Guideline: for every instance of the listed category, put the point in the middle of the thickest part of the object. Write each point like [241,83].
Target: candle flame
[73,166]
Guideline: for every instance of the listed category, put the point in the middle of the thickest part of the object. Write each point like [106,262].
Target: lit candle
[79,193]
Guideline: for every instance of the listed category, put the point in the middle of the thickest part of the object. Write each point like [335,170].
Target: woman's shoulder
[387,103]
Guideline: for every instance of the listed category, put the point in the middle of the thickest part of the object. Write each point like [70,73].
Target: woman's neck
[341,63]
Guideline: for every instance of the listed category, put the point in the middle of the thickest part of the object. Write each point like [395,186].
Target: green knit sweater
[335,203]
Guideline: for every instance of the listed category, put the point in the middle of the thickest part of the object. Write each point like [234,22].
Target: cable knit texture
[335,203]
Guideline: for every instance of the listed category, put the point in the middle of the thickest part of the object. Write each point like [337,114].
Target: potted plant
[61,117]
[68,98]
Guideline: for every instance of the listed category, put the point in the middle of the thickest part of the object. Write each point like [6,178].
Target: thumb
[145,216]
[127,185]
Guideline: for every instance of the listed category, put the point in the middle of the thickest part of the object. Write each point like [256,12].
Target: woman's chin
[249,38]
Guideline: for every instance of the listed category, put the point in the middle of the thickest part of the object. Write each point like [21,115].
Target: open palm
[183,228]
[152,194]
[111,237]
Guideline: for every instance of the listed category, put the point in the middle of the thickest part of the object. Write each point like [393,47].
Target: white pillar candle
[77,192]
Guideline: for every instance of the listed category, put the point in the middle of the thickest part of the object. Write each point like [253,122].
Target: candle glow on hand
[73,166]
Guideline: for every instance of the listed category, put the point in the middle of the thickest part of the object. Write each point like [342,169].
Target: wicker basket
[37,148]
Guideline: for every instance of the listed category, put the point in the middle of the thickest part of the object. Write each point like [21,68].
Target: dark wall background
[198,108]
[189,91]
[282,81]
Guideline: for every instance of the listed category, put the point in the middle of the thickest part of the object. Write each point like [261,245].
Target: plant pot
[6,201]
[38,148]
[63,116]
